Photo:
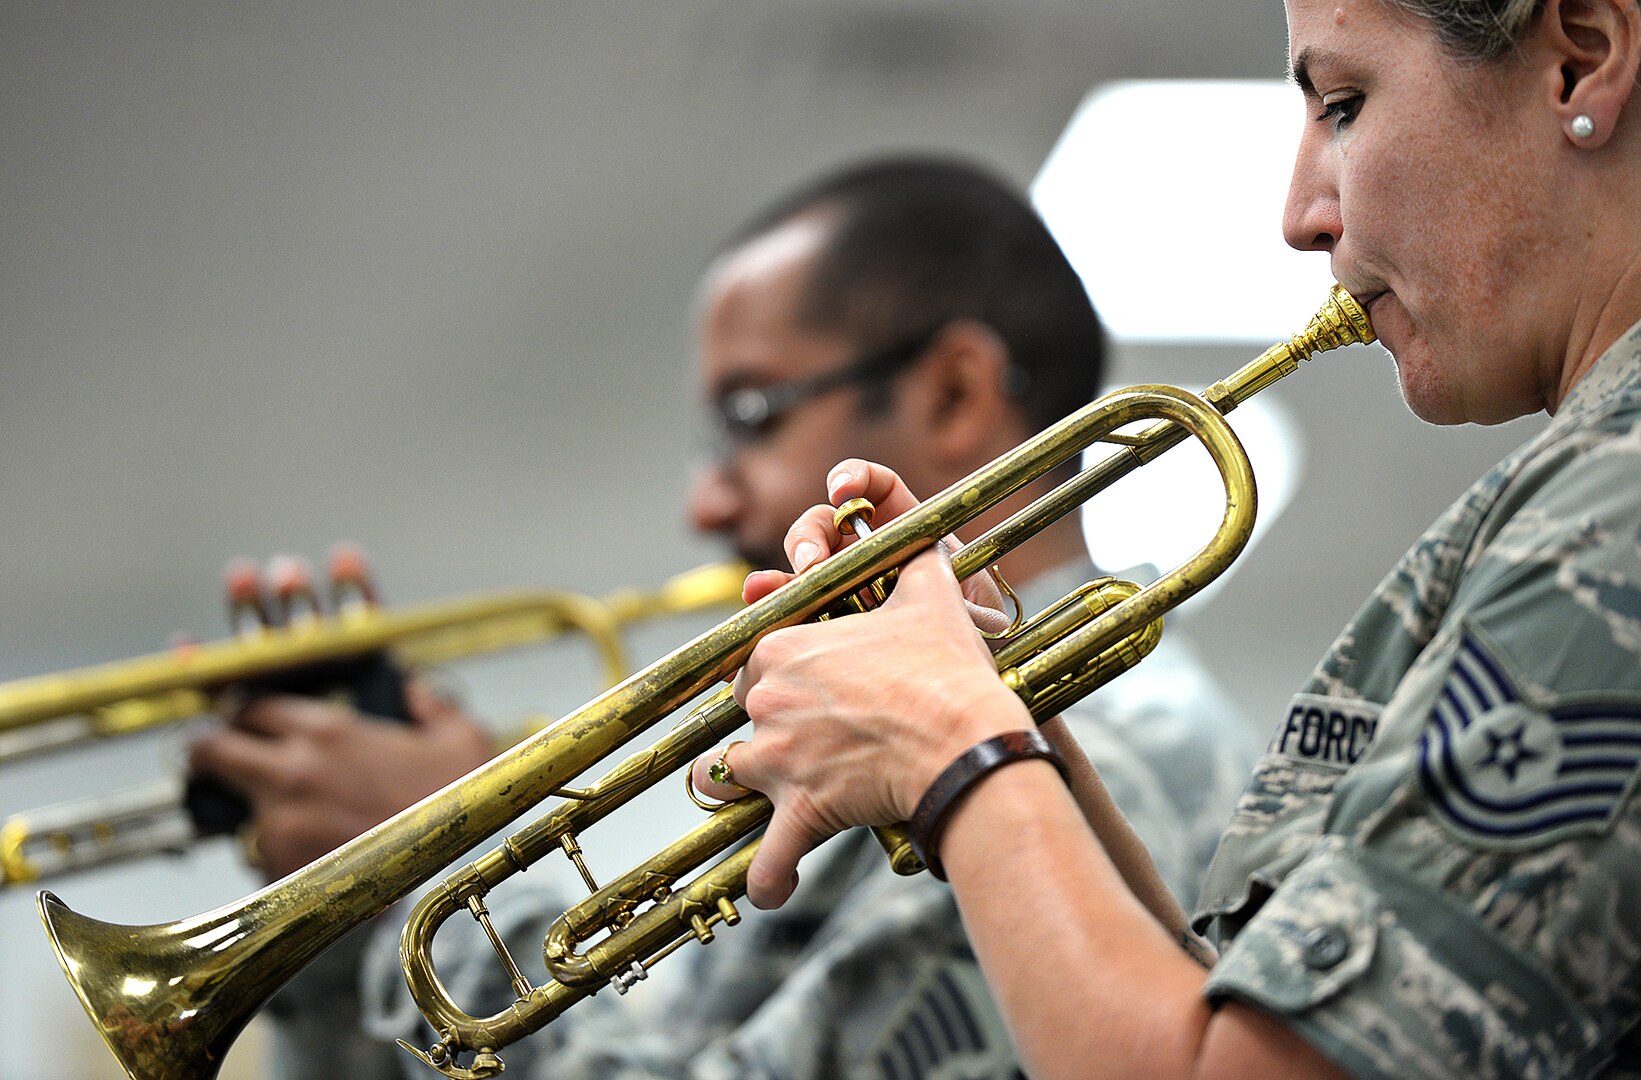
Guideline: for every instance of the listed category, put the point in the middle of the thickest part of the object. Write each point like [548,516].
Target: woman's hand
[814,537]
[854,718]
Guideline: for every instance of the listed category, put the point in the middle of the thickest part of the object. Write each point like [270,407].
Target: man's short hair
[916,242]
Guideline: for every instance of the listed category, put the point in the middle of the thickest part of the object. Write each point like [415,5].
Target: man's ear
[1597,44]
[961,401]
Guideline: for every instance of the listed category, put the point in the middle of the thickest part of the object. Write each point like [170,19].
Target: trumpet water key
[168,999]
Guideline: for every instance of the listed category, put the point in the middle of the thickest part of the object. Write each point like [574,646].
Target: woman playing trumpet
[1436,868]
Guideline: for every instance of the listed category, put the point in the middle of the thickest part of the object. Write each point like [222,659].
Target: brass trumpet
[56,712]
[169,999]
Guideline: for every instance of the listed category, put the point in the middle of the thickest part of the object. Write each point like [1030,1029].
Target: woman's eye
[1340,111]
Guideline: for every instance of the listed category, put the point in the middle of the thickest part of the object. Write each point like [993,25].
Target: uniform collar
[1614,378]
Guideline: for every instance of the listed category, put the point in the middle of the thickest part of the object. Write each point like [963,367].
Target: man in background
[913,312]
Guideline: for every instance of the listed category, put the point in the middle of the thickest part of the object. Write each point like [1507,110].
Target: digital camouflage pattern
[1436,869]
[863,974]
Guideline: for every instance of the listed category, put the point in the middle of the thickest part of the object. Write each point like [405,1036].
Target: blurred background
[420,276]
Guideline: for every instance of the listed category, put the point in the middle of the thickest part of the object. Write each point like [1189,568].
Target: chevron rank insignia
[1507,772]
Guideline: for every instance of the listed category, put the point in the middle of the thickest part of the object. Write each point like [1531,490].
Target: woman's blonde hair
[1477,30]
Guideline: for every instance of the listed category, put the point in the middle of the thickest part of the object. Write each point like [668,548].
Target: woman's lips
[1366,300]
[1378,313]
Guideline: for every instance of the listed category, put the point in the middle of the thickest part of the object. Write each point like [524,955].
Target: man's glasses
[744,416]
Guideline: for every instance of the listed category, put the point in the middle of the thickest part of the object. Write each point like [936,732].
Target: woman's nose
[1311,220]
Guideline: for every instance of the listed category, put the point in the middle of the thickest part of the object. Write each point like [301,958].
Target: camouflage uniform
[1436,869]
[862,974]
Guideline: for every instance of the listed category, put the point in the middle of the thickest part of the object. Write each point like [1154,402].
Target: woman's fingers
[927,578]
[825,776]
[988,620]
[773,874]
[855,478]
[760,583]
[812,538]
[722,790]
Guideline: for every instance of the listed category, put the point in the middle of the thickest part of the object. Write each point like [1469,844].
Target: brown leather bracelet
[956,780]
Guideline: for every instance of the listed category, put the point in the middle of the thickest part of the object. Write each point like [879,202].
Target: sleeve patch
[1505,769]
[1326,730]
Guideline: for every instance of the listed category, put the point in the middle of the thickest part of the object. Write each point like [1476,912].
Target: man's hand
[317,774]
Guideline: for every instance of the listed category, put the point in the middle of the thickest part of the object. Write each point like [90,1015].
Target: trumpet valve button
[703,932]
[351,585]
[854,518]
[291,579]
[247,612]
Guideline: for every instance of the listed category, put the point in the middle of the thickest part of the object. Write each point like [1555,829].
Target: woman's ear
[1597,44]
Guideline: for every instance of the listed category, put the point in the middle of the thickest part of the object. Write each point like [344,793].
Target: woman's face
[1428,182]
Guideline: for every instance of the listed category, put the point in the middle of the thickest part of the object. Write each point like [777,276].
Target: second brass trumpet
[64,711]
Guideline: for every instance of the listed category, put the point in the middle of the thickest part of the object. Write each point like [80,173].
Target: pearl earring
[1583,126]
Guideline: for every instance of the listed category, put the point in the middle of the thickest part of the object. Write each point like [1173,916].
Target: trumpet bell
[143,987]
